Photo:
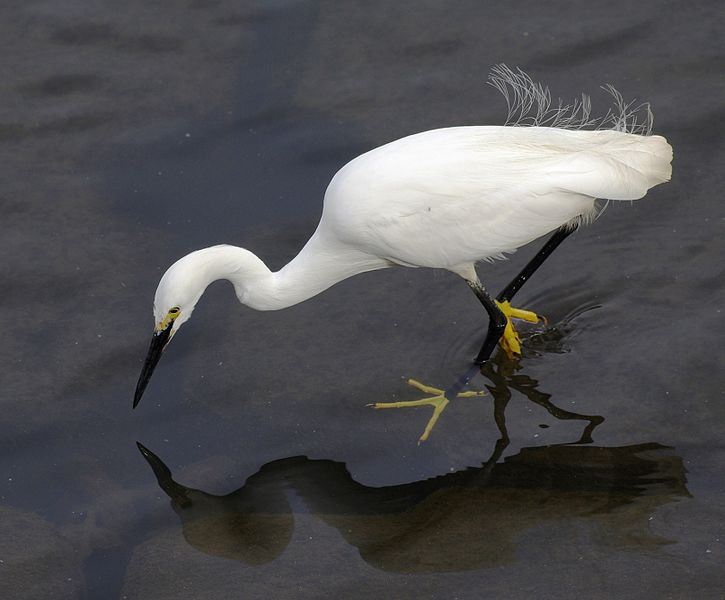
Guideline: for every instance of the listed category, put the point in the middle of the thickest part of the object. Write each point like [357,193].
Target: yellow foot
[438,401]
[510,341]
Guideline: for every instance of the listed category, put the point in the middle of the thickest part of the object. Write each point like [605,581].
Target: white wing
[452,196]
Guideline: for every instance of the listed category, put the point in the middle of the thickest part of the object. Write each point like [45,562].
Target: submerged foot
[510,341]
[438,401]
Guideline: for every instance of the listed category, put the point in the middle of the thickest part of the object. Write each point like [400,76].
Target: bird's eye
[174,311]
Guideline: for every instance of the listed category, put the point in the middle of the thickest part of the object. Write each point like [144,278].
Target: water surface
[592,468]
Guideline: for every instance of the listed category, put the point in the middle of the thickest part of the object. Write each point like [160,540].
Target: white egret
[445,199]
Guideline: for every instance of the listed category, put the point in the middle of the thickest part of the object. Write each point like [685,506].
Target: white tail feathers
[650,158]
[621,167]
[625,162]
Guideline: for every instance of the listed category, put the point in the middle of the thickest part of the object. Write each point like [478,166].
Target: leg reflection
[502,372]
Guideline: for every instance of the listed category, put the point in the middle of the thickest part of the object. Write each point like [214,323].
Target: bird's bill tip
[158,343]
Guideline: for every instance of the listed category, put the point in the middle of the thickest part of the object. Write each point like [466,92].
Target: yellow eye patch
[170,317]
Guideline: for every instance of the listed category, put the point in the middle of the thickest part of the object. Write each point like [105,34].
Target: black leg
[496,325]
[557,238]
[496,322]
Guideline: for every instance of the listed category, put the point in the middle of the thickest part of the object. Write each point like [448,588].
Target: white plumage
[445,198]
[450,197]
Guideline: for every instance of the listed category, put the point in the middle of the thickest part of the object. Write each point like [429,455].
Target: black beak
[158,343]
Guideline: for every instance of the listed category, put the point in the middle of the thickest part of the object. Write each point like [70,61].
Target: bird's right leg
[551,244]
[510,340]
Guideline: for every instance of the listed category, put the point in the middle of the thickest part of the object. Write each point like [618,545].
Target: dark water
[594,467]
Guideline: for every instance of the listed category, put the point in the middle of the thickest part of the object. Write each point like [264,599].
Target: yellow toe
[438,401]
[431,390]
[518,313]
[510,341]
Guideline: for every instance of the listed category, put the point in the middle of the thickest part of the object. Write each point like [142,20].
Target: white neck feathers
[319,265]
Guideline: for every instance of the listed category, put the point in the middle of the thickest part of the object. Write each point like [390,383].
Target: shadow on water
[467,520]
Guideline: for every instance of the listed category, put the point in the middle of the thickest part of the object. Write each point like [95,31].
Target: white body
[451,197]
[445,198]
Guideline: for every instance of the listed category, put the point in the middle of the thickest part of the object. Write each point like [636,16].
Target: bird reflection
[467,520]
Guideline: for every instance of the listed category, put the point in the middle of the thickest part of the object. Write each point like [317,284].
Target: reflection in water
[467,520]
[502,372]
[253,524]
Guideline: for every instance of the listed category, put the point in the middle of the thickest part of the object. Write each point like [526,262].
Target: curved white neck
[319,265]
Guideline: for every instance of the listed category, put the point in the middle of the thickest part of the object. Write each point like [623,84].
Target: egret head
[185,281]
[179,290]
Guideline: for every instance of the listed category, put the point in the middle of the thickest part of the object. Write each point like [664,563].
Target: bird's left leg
[440,398]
